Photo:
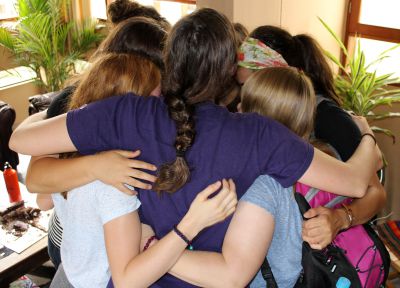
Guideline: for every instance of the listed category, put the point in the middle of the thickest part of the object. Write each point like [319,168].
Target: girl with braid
[195,142]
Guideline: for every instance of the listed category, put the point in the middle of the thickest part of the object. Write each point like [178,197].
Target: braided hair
[199,66]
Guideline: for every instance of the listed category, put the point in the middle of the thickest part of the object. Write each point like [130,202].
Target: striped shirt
[55,230]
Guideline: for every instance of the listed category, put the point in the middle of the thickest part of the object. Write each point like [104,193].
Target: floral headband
[255,55]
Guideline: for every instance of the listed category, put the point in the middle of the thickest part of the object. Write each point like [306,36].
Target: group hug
[174,159]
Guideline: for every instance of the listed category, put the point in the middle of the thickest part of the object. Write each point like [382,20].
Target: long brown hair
[284,94]
[139,35]
[116,74]
[301,51]
[199,66]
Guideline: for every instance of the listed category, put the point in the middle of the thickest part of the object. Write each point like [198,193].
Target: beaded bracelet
[149,241]
[183,237]
[349,214]
[369,134]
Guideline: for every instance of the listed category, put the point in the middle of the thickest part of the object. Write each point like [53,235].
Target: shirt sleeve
[113,123]
[263,193]
[282,154]
[336,127]
[112,203]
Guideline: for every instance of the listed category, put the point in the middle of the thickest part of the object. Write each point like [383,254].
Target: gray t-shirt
[82,215]
[284,254]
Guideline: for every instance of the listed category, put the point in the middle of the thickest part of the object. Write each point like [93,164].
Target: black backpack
[321,268]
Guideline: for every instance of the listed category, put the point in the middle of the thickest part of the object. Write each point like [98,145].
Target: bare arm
[116,167]
[36,136]
[122,236]
[44,202]
[243,252]
[326,224]
[349,179]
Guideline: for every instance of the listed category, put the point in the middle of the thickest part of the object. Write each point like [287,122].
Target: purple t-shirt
[237,146]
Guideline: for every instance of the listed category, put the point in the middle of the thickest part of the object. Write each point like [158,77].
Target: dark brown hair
[121,10]
[303,52]
[199,66]
[139,35]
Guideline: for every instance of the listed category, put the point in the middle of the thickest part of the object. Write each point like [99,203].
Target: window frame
[355,28]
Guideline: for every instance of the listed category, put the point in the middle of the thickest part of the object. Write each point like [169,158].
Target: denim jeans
[54,253]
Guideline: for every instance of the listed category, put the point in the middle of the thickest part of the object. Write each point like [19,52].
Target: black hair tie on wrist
[369,134]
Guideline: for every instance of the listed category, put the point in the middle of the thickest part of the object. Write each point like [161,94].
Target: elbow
[360,189]
[13,143]
[30,184]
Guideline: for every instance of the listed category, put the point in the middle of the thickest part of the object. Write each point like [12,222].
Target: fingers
[136,183]
[310,213]
[127,154]
[141,165]
[135,163]
[138,174]
[210,189]
[121,187]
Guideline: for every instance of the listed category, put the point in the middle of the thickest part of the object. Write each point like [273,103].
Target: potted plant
[46,42]
[361,90]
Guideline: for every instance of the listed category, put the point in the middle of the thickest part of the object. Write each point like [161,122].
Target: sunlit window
[372,50]
[383,13]
[7,9]
[172,11]
[98,9]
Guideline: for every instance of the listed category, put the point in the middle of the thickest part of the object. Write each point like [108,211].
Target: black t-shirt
[336,127]
[59,104]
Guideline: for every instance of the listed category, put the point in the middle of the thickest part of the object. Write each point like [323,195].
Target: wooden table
[16,265]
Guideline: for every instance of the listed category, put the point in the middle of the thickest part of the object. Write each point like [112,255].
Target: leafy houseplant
[45,41]
[362,91]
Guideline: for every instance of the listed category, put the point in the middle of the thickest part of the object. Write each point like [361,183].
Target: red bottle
[11,179]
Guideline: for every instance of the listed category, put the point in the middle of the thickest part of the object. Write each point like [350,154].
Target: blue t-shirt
[284,254]
[237,146]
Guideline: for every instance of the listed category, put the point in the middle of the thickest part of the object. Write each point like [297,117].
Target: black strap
[266,272]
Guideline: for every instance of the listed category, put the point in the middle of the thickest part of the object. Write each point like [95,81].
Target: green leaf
[387,132]
[334,36]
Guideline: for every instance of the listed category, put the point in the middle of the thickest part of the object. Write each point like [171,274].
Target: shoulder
[265,193]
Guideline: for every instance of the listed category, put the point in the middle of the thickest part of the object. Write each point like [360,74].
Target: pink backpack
[361,245]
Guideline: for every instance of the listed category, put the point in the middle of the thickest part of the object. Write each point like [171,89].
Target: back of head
[303,52]
[276,38]
[199,66]
[121,10]
[138,35]
[241,32]
[116,74]
[281,93]
[311,59]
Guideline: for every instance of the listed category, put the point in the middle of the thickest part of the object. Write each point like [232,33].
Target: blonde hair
[116,74]
[284,94]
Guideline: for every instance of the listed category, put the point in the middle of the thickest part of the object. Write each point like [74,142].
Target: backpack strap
[266,272]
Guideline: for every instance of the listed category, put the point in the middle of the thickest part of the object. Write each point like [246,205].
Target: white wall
[294,15]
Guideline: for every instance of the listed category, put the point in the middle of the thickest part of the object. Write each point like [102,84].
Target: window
[171,10]
[98,9]
[377,25]
[7,9]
